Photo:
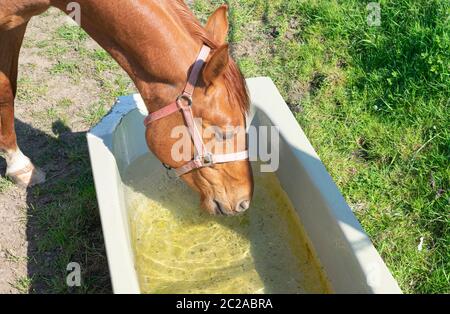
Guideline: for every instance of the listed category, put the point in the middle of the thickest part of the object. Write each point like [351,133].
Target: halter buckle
[208,160]
[186,98]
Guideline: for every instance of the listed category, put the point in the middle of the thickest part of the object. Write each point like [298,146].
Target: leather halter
[184,102]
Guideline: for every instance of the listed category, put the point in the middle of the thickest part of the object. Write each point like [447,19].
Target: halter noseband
[202,157]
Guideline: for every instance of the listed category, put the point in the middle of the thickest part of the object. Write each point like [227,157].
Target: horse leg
[19,167]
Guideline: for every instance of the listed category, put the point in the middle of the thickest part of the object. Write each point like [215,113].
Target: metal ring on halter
[208,160]
[171,174]
[186,98]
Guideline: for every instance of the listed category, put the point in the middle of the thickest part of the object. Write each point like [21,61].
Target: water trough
[346,254]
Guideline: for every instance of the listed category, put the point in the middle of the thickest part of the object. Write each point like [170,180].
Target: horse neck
[147,39]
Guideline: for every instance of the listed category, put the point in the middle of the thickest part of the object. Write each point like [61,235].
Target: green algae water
[181,249]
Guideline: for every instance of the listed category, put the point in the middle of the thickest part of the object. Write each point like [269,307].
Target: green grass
[94,114]
[103,61]
[71,33]
[65,103]
[30,91]
[67,226]
[23,284]
[374,102]
[5,184]
[67,67]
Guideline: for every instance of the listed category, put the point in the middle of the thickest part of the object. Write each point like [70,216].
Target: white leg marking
[16,161]
[21,170]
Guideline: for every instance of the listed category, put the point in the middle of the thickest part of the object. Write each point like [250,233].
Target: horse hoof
[28,176]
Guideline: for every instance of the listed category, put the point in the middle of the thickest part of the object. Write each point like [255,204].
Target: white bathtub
[350,261]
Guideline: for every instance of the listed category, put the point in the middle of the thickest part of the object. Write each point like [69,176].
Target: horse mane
[233,78]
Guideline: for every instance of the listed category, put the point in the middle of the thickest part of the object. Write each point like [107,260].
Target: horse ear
[217,25]
[216,65]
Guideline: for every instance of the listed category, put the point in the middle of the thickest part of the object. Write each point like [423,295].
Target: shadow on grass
[63,223]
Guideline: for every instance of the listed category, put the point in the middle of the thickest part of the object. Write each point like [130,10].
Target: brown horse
[156,42]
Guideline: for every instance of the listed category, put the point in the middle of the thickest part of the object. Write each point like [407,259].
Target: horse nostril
[243,206]
[219,209]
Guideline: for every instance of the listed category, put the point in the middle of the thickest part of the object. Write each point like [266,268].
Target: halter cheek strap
[202,157]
